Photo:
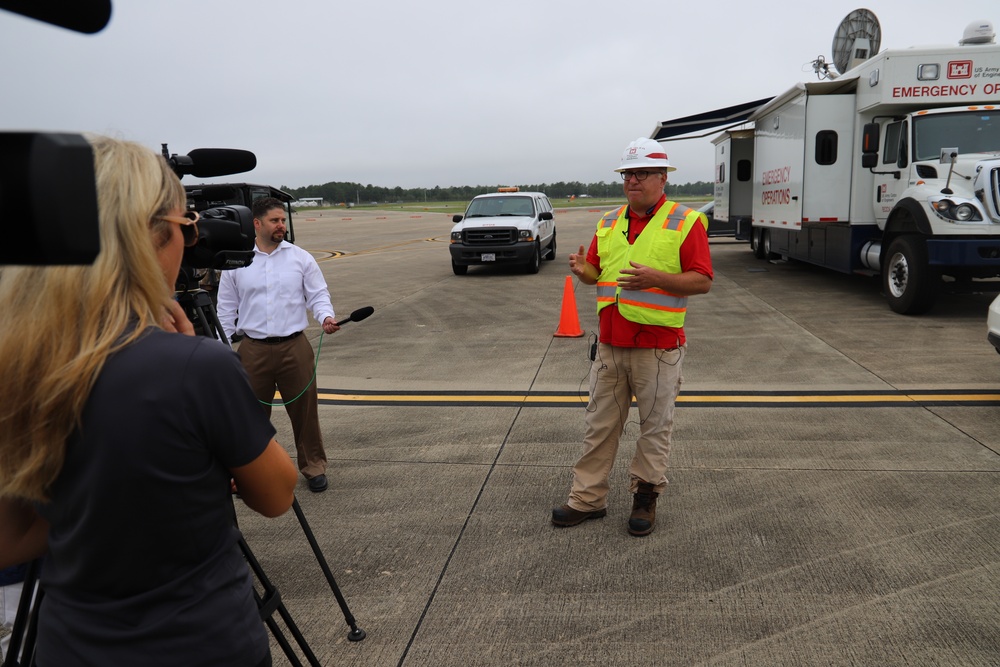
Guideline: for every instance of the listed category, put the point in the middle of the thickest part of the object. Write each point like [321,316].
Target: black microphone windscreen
[357,315]
[362,313]
[207,162]
[86,16]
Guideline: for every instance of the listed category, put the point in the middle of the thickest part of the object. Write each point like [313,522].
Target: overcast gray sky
[442,92]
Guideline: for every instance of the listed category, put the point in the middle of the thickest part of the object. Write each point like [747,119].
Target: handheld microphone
[358,315]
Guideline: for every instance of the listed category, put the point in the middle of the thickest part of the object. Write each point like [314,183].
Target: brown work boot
[567,516]
[643,516]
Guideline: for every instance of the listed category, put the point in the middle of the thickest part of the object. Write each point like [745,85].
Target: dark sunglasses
[189,226]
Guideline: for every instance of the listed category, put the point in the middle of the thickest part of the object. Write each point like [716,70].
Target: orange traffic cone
[569,322]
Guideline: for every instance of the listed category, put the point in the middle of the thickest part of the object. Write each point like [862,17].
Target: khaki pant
[289,367]
[654,378]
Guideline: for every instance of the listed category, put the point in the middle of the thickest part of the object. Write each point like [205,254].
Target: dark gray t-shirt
[143,565]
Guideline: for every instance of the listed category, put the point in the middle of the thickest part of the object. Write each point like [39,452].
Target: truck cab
[893,168]
[504,227]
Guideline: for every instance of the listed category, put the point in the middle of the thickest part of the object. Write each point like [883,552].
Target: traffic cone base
[569,321]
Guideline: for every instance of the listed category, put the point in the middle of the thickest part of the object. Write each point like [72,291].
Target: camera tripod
[200,309]
[22,640]
[199,306]
[270,601]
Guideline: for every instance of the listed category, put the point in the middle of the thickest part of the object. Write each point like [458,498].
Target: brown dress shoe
[643,516]
[567,516]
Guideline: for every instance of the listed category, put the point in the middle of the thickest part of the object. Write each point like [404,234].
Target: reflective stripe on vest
[609,219]
[658,246]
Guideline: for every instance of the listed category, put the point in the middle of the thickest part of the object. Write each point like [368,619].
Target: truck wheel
[765,245]
[757,243]
[459,269]
[536,259]
[909,282]
[551,253]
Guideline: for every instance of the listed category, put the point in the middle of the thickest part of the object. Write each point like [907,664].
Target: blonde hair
[61,323]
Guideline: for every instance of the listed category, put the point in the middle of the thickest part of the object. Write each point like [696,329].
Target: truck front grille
[490,236]
[994,204]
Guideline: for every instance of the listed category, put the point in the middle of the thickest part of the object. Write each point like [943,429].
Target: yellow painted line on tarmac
[451,398]
[786,399]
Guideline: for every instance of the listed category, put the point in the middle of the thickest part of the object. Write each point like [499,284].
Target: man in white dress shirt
[267,302]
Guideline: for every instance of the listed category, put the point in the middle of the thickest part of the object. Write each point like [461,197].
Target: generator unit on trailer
[891,168]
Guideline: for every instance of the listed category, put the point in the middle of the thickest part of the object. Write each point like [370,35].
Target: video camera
[49,177]
[225,233]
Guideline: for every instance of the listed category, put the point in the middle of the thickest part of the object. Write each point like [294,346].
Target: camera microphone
[208,162]
[358,315]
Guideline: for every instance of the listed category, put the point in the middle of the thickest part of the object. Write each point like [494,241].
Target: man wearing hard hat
[646,259]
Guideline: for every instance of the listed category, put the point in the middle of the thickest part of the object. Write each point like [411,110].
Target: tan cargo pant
[289,367]
[654,377]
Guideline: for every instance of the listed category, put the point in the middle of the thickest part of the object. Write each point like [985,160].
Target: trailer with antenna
[889,164]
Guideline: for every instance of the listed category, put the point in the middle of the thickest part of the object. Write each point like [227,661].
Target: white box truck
[891,168]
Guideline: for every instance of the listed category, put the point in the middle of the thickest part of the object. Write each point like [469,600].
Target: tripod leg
[270,603]
[201,311]
[356,634]
[213,315]
[25,621]
[275,629]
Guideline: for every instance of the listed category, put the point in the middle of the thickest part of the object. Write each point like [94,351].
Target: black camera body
[225,231]
[49,176]
[225,241]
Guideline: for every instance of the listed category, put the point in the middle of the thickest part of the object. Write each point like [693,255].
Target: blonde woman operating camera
[119,436]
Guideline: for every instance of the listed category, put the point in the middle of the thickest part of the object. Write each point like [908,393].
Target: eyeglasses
[640,175]
[189,226]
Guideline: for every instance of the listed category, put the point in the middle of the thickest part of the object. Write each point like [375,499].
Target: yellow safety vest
[657,246]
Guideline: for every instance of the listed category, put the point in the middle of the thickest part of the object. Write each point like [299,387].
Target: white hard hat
[644,153]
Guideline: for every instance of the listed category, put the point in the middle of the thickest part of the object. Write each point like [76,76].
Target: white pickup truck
[504,227]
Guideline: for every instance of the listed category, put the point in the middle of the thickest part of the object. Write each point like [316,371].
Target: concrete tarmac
[832,499]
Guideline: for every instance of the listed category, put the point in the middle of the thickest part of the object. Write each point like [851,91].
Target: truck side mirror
[870,138]
[545,215]
[456,218]
[869,145]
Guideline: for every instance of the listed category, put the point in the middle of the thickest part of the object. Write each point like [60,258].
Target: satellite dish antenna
[857,39]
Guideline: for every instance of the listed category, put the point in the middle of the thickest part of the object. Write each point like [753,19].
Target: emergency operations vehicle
[891,168]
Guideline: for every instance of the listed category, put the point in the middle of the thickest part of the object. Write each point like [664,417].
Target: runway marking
[335,254]
[692,399]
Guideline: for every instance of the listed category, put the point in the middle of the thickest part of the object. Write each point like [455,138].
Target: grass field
[460,206]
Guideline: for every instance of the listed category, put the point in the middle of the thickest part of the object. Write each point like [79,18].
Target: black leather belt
[270,340]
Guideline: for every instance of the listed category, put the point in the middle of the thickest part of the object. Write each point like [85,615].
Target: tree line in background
[335,192]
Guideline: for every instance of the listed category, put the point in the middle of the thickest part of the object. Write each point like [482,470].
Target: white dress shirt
[270,297]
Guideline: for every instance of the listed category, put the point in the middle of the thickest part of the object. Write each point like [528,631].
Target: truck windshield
[969,131]
[494,206]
